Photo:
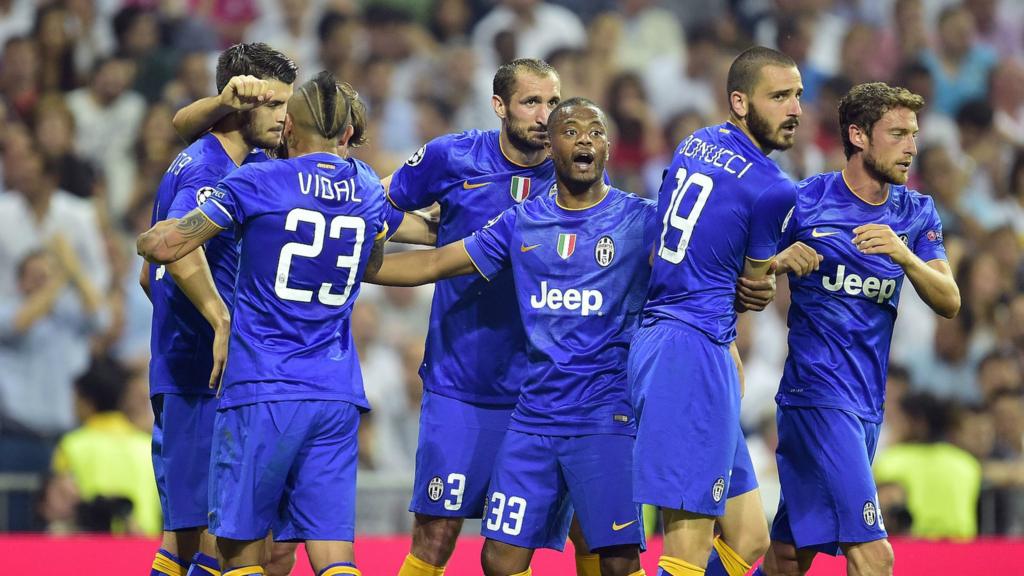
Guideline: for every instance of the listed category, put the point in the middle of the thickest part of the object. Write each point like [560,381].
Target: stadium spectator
[108,458]
[138,39]
[56,52]
[538,28]
[961,64]
[19,77]
[54,130]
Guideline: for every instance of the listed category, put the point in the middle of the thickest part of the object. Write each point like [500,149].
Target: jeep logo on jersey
[854,285]
[566,245]
[435,489]
[203,194]
[586,301]
[417,156]
[870,514]
[604,251]
[718,489]
[520,188]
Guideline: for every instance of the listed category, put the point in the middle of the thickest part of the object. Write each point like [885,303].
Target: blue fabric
[828,491]
[458,442]
[540,481]
[687,407]
[579,306]
[182,437]
[841,316]
[306,226]
[200,560]
[722,201]
[289,466]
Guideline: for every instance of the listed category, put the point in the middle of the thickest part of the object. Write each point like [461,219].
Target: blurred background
[88,89]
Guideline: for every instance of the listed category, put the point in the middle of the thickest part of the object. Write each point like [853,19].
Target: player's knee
[433,538]
[282,559]
[872,558]
[619,560]
[495,562]
[781,560]
[750,545]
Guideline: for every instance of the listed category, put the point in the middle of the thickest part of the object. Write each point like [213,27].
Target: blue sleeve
[489,247]
[195,187]
[418,183]
[392,219]
[766,218]
[652,225]
[227,203]
[928,244]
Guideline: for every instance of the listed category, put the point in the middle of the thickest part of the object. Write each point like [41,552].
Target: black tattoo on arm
[376,257]
[193,226]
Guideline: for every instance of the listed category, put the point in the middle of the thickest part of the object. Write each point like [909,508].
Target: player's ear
[499,106]
[346,135]
[738,103]
[858,137]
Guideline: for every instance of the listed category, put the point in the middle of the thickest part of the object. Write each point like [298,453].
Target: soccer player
[872,232]
[721,209]
[475,352]
[285,447]
[190,318]
[579,262]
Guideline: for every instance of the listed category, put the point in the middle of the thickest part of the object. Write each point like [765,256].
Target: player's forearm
[193,120]
[937,288]
[144,279]
[170,240]
[416,229]
[412,268]
[192,275]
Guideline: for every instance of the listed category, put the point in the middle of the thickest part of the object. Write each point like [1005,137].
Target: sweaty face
[527,111]
[773,111]
[263,125]
[579,145]
[892,146]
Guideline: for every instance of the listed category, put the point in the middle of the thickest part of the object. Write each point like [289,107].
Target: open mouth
[905,165]
[583,160]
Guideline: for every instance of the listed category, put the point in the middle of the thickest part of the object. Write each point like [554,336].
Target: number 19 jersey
[722,200]
[306,227]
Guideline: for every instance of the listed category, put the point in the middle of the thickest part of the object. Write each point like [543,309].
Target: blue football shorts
[182,436]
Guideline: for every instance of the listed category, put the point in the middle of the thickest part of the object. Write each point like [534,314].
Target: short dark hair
[507,74]
[556,115]
[254,59]
[328,23]
[975,114]
[745,70]
[865,104]
[103,384]
[330,110]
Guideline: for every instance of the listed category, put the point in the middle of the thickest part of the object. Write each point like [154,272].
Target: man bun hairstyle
[865,104]
[328,106]
[254,59]
[745,70]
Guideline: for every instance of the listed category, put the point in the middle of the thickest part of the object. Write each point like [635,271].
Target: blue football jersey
[181,340]
[306,227]
[580,278]
[475,349]
[722,200]
[842,315]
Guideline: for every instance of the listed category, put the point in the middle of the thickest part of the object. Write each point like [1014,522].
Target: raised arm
[192,274]
[418,267]
[240,93]
[170,240]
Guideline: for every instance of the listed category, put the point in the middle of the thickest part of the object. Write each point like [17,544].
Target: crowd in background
[88,89]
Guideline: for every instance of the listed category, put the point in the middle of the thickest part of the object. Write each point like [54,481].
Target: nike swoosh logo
[817,234]
[616,526]
[525,248]
[467,186]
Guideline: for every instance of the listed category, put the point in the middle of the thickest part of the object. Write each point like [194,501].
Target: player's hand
[221,335]
[798,258]
[880,239]
[245,93]
[755,295]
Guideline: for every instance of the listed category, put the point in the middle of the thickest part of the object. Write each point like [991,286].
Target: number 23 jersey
[306,227]
[722,200]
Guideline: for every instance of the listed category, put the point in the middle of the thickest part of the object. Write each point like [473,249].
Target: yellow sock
[164,564]
[677,567]
[244,571]
[344,570]
[588,565]
[734,564]
[639,572]
[413,566]
[526,572]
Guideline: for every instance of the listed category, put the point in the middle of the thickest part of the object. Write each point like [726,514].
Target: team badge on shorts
[203,194]
[870,514]
[604,251]
[417,156]
[435,489]
[718,489]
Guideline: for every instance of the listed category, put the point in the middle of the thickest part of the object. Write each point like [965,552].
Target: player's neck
[863,185]
[581,198]
[742,125]
[234,144]
[525,159]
